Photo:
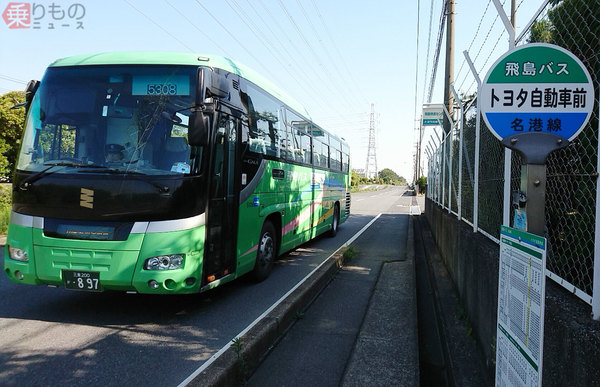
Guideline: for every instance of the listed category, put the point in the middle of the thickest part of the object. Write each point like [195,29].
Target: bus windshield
[114,118]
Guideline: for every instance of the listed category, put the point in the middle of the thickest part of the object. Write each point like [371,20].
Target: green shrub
[5,206]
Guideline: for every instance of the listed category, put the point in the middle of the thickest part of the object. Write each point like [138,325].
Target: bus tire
[266,252]
[335,222]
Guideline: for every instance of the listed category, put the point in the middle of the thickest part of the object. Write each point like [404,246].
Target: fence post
[477,140]
[437,166]
[449,157]
[444,165]
[460,149]
[531,21]
[507,152]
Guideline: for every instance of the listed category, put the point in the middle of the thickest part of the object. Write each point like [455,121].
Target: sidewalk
[362,328]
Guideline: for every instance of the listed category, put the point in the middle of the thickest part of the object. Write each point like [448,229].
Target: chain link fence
[572,173]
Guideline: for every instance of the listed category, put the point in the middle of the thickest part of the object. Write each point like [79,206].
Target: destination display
[160,85]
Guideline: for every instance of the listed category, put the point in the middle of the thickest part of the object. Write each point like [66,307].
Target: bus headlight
[164,262]
[18,254]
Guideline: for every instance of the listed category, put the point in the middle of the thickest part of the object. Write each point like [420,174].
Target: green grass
[350,253]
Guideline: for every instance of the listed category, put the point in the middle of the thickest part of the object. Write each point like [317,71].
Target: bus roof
[182,59]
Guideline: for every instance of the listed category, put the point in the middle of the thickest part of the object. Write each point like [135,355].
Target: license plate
[82,280]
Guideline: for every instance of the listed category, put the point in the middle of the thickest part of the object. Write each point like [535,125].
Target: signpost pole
[536,197]
[512,96]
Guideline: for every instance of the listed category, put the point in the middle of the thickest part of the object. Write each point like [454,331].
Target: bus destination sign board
[537,88]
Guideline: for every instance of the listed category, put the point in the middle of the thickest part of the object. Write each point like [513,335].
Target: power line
[11,79]
[437,51]
[264,40]
[236,39]
[428,50]
[482,45]
[311,49]
[159,26]
[417,166]
[337,71]
[503,31]
[474,37]
[290,44]
[326,29]
[207,36]
[7,90]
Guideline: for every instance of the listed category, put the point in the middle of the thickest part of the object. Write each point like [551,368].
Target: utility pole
[513,14]
[371,169]
[448,99]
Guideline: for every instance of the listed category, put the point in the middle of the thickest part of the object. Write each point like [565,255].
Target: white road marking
[266,312]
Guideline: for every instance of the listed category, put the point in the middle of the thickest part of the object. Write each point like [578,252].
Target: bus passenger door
[221,221]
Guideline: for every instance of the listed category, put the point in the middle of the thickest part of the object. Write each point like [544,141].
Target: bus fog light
[19,275]
[18,254]
[164,262]
[153,284]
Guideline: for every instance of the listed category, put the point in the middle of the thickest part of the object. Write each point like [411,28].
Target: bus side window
[306,148]
[345,165]
[298,146]
[325,163]
[264,123]
[336,159]
[320,153]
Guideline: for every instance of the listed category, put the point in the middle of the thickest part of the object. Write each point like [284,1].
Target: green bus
[166,173]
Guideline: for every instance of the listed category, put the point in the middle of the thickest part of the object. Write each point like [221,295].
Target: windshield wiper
[135,175]
[105,169]
[25,184]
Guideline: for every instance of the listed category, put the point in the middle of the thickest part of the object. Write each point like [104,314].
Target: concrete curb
[236,364]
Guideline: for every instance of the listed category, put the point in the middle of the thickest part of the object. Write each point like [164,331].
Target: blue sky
[335,57]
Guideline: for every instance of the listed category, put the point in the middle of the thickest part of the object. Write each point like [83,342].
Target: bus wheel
[335,222]
[266,253]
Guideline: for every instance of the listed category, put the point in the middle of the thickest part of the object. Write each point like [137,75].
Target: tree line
[385,176]
[11,128]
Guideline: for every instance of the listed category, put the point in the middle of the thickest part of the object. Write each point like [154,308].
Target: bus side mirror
[30,90]
[212,84]
[198,129]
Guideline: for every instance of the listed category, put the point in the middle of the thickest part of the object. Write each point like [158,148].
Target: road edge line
[220,375]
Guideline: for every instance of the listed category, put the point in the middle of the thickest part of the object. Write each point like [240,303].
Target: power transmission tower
[371,169]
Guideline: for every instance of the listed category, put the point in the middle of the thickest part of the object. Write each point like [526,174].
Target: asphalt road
[52,336]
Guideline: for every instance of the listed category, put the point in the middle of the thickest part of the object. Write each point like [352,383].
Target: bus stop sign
[537,88]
